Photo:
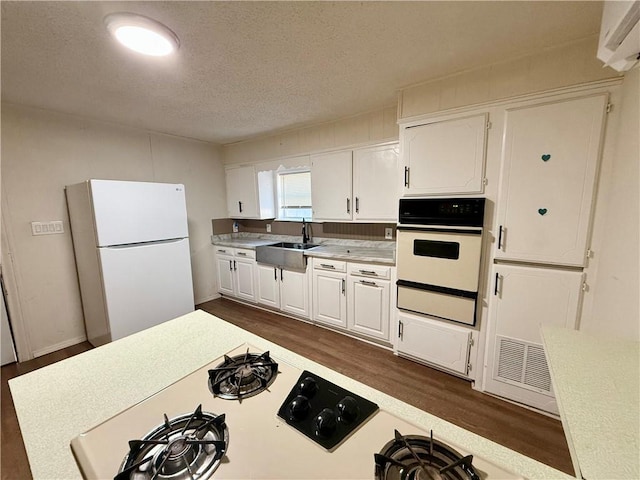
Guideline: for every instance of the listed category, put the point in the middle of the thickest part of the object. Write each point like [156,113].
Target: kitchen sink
[284,254]
[296,246]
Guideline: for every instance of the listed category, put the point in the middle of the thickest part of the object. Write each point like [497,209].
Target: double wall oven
[438,256]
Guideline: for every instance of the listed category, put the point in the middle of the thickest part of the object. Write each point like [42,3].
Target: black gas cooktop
[324,411]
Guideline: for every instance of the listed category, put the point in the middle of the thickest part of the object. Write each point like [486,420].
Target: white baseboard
[59,346]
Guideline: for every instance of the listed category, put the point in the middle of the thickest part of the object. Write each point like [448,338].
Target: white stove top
[261,445]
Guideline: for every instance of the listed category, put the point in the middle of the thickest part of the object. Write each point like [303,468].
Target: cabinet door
[375,182]
[329,298]
[524,299]
[294,293]
[445,157]
[434,341]
[224,266]
[368,307]
[268,285]
[331,186]
[245,279]
[550,159]
[242,195]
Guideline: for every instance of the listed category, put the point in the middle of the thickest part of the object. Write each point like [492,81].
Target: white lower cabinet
[524,298]
[434,341]
[236,276]
[329,293]
[287,290]
[368,300]
[352,296]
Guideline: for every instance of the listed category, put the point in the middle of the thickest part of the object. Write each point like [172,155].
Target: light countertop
[597,386]
[382,252]
[56,403]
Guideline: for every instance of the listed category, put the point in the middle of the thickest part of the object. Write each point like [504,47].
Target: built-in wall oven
[439,245]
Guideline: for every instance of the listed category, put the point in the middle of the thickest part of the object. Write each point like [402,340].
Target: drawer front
[220,250]
[373,271]
[245,253]
[330,265]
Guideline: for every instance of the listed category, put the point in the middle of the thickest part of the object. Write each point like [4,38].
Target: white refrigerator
[131,245]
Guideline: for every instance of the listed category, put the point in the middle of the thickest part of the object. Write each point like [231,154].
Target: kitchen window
[294,194]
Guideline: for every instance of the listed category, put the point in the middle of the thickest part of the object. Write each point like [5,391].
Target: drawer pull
[325,265]
[242,254]
[366,282]
[368,272]
[221,251]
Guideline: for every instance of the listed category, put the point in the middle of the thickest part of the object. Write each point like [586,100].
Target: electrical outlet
[268,228]
[235,227]
[388,233]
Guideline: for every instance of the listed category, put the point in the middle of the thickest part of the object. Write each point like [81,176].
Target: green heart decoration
[546,157]
[542,211]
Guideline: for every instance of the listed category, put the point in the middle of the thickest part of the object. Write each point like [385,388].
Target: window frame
[280,174]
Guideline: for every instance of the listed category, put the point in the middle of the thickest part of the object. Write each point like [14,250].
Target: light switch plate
[47,228]
[388,233]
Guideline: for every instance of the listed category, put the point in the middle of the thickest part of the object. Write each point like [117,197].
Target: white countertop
[56,403]
[597,386]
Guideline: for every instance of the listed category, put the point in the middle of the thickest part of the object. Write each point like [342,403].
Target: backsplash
[354,231]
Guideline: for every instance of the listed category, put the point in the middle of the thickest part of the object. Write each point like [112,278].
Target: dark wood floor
[448,397]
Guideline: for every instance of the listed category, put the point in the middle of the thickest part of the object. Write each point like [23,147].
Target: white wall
[44,151]
[612,303]
[366,128]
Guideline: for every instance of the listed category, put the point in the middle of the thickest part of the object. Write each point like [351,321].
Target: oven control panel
[467,212]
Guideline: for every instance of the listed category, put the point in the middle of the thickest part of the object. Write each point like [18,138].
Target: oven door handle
[469,231]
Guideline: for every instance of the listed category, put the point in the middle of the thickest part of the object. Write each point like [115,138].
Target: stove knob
[308,387]
[326,423]
[347,409]
[298,408]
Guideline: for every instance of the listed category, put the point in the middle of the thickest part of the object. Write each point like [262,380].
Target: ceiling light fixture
[142,34]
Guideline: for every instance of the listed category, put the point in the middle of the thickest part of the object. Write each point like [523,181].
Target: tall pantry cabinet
[549,164]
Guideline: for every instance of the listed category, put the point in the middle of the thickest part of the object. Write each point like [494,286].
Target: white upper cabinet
[549,166]
[331,186]
[375,173]
[445,157]
[358,184]
[250,193]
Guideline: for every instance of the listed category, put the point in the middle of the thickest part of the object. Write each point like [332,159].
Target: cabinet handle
[343,285]
[500,238]
[495,287]
[275,273]
[222,251]
[240,206]
[281,275]
[235,267]
[325,265]
[241,254]
[368,272]
[230,266]
[366,282]
[406,176]
[348,205]
[400,329]
[357,205]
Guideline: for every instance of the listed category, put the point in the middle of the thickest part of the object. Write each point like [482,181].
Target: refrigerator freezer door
[145,285]
[136,212]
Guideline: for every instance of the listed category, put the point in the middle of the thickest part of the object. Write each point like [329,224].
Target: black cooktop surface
[324,411]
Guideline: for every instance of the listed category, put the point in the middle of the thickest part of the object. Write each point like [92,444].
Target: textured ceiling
[250,68]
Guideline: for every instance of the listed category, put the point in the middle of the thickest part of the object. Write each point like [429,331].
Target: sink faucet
[305,235]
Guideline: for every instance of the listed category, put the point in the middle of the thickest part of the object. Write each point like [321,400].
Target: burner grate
[414,457]
[190,447]
[242,376]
